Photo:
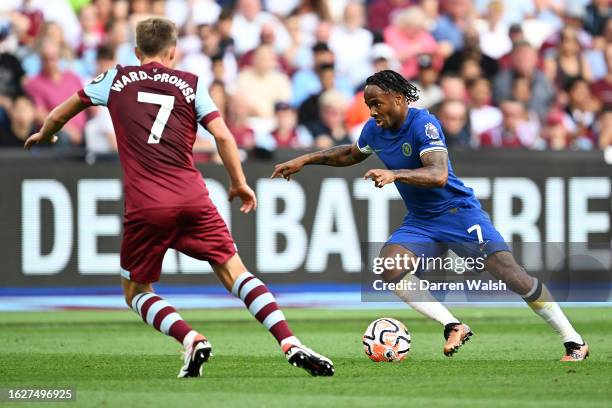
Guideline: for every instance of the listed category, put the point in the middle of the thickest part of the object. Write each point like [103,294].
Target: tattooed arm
[434,173]
[339,156]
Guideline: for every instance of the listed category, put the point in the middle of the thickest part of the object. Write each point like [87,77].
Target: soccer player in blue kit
[441,209]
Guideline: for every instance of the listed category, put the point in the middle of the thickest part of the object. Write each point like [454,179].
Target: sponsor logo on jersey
[431,131]
[437,143]
[407,149]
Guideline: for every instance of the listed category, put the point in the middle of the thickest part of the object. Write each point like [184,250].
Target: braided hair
[391,81]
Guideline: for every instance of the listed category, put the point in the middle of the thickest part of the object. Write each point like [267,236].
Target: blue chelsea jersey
[420,134]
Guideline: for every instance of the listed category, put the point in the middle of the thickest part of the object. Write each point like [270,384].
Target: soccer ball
[386,339]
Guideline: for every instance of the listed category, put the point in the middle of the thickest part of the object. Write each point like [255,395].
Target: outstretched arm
[339,156]
[226,145]
[56,120]
[434,172]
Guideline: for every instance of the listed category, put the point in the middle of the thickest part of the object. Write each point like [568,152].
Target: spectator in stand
[92,30]
[21,123]
[580,114]
[431,8]
[352,62]
[455,123]
[573,17]
[452,24]
[493,31]
[224,27]
[470,70]
[524,65]
[50,32]
[358,113]
[262,85]
[453,87]
[11,77]
[605,130]
[566,63]
[521,92]
[306,81]
[91,37]
[430,92]
[515,131]
[117,36]
[310,109]
[201,62]
[598,12]
[268,37]
[104,9]
[298,54]
[409,38]
[248,20]
[596,56]
[514,11]
[602,89]
[287,134]
[483,115]
[219,96]
[310,14]
[471,51]
[35,21]
[51,87]
[381,11]
[330,129]
[238,124]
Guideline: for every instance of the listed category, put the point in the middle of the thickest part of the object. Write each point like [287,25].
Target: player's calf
[262,305]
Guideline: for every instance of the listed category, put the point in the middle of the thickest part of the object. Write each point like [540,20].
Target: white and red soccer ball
[386,339]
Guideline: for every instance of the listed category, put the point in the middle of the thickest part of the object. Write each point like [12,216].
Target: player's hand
[246,194]
[36,138]
[286,169]
[381,177]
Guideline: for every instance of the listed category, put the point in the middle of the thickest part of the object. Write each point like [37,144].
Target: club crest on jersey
[407,149]
[99,78]
[431,131]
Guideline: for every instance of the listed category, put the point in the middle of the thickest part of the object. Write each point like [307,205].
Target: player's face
[385,107]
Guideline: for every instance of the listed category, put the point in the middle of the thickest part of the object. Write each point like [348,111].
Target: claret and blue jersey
[449,214]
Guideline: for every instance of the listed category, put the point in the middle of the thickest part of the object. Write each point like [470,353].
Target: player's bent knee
[131,289]
[229,271]
[393,275]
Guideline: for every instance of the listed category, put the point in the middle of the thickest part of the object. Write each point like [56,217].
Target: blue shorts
[467,231]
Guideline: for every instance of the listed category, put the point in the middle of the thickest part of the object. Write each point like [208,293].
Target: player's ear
[138,53]
[171,55]
[399,99]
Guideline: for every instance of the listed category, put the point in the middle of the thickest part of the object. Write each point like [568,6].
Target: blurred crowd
[531,74]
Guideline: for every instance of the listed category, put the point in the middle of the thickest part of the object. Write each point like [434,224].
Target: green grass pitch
[113,360]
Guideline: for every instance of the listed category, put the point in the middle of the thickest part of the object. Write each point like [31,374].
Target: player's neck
[148,60]
[401,119]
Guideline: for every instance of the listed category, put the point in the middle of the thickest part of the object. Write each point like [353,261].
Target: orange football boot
[456,334]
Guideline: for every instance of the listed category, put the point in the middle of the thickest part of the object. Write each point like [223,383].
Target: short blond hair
[155,35]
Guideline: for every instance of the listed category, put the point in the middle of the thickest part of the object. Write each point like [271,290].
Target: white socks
[423,302]
[540,301]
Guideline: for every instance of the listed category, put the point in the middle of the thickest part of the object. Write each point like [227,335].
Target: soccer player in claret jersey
[442,210]
[155,111]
